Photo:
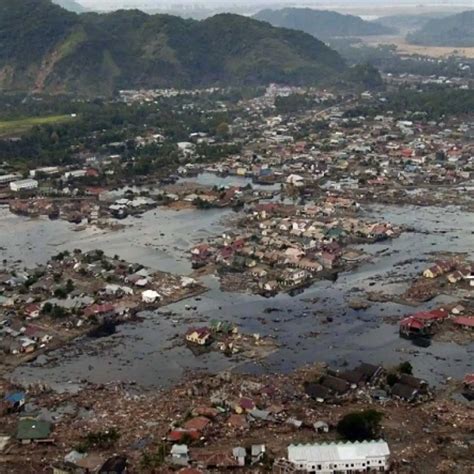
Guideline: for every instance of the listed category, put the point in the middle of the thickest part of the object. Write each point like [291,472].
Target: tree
[222,129]
[405,368]
[69,286]
[392,379]
[47,308]
[359,426]
[154,460]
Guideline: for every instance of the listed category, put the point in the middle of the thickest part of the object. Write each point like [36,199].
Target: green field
[19,126]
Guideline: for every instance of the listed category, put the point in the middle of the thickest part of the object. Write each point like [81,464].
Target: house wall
[375,464]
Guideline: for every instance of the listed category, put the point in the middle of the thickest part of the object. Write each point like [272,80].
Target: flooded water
[147,352]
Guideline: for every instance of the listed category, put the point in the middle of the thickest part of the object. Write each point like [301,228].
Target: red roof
[198,423]
[464,321]
[246,404]
[226,252]
[177,435]
[95,190]
[432,315]
[412,323]
[32,308]
[469,379]
[99,309]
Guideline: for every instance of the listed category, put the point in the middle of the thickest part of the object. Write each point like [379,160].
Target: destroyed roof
[316,390]
[411,381]
[404,391]
[335,383]
[114,465]
[215,459]
[337,452]
[363,373]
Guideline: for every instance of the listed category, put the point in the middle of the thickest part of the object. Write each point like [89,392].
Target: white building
[24,185]
[75,174]
[328,458]
[47,170]
[7,178]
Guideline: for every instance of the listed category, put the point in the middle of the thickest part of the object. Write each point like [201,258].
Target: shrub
[405,368]
[360,425]
[99,440]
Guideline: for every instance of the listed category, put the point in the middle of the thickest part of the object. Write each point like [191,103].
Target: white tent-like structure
[150,296]
[327,458]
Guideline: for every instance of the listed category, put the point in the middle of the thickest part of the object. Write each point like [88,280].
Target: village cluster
[73,293]
[308,154]
[280,247]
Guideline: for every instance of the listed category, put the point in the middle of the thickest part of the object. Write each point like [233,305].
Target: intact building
[24,185]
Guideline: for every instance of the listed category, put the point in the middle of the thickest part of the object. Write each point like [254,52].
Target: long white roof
[337,452]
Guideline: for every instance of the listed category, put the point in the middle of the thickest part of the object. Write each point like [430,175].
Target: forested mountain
[46,48]
[321,23]
[456,30]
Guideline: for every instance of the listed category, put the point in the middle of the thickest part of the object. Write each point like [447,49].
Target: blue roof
[15,397]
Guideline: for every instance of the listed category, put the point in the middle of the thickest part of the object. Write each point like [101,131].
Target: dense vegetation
[48,49]
[456,30]
[99,123]
[431,104]
[321,23]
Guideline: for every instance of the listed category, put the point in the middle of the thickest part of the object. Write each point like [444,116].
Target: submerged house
[200,336]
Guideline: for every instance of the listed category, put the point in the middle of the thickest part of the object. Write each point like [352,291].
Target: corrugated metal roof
[337,452]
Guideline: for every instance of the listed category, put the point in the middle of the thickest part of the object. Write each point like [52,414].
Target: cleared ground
[404,48]
[20,126]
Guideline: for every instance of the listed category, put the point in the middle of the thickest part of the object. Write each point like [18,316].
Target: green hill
[45,48]
[456,31]
[321,23]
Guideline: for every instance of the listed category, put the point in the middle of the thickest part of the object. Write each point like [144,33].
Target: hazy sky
[167,3]
[347,6]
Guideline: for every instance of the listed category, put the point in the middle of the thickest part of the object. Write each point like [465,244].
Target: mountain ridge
[322,24]
[44,48]
[455,31]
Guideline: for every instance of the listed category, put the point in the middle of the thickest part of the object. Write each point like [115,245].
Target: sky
[168,3]
[368,9]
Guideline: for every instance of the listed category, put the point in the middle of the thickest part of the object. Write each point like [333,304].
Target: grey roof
[239,452]
[257,449]
[261,414]
[404,391]
[179,449]
[320,424]
[337,452]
